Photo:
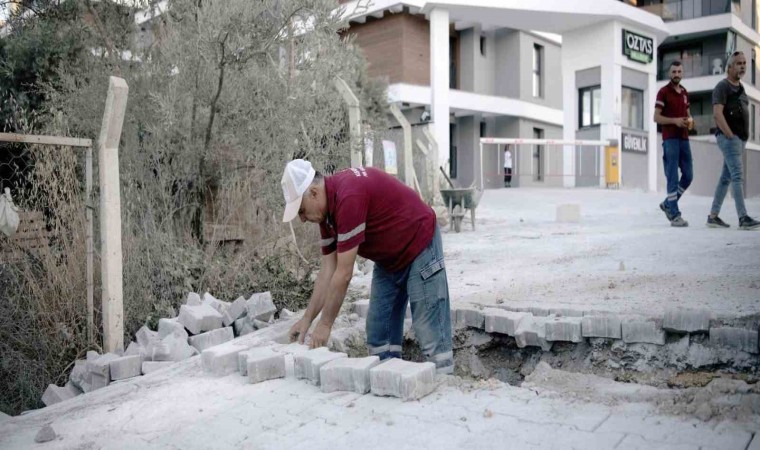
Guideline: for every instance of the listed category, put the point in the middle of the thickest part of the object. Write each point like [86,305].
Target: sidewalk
[182,407]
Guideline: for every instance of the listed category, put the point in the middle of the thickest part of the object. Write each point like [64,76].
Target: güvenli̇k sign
[637,47]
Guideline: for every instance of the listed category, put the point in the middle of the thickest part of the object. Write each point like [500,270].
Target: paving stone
[243,326]
[361,307]
[222,359]
[566,329]
[193,299]
[260,324]
[92,355]
[243,356]
[307,364]
[234,312]
[348,374]
[172,348]
[56,394]
[79,374]
[46,434]
[152,366]
[264,364]
[101,365]
[569,213]
[535,310]
[602,327]
[470,316]
[126,367]
[643,331]
[531,332]
[171,326]
[566,312]
[145,336]
[211,338]
[219,305]
[502,321]
[741,338]
[261,307]
[286,313]
[294,348]
[98,381]
[403,379]
[133,349]
[687,320]
[198,319]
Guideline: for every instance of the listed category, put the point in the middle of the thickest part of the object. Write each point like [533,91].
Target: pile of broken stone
[202,323]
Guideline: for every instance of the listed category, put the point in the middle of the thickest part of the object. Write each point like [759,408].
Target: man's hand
[682,122]
[321,335]
[299,329]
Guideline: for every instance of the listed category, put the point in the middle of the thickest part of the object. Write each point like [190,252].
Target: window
[633,108]
[537,71]
[483,128]
[590,106]
[453,63]
[483,45]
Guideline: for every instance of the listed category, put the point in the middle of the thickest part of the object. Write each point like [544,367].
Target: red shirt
[368,208]
[673,104]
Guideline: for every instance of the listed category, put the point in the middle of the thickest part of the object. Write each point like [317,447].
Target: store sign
[637,47]
[635,143]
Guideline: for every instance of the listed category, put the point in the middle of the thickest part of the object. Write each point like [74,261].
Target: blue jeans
[676,155]
[732,174]
[423,283]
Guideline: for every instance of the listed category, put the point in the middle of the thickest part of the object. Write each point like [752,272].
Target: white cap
[297,178]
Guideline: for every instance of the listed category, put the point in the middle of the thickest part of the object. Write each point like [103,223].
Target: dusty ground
[623,256]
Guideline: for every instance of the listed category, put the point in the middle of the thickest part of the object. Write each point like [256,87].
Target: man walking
[731,112]
[671,110]
[367,212]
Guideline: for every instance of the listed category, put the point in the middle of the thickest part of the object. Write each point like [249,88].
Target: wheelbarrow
[457,201]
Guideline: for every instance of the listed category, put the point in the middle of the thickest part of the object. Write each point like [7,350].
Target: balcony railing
[671,10]
[696,66]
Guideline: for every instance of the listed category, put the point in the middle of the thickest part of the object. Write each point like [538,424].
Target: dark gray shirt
[720,97]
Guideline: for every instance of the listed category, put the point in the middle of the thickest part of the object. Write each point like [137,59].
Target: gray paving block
[566,312]
[242,326]
[403,379]
[222,359]
[566,329]
[347,374]
[152,366]
[294,348]
[145,336]
[219,305]
[261,307]
[46,434]
[172,348]
[171,326]
[126,367]
[133,349]
[307,364]
[602,326]
[234,312]
[193,299]
[264,364]
[101,365]
[498,320]
[211,338]
[361,307]
[740,338]
[643,331]
[79,374]
[98,381]
[687,320]
[531,332]
[535,310]
[470,316]
[260,324]
[56,394]
[198,319]
[286,313]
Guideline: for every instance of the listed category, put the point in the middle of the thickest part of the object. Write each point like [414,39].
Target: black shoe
[665,210]
[748,223]
[716,222]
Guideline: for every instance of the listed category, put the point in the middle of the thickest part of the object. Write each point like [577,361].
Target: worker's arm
[317,300]
[662,120]
[720,120]
[334,298]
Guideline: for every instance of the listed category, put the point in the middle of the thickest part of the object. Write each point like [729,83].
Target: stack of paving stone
[540,327]
[331,371]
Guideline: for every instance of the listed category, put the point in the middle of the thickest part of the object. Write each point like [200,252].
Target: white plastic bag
[8,214]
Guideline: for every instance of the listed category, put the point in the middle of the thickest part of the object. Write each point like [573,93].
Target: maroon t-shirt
[673,104]
[368,208]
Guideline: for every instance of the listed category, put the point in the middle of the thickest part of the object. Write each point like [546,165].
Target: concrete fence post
[354,121]
[110,215]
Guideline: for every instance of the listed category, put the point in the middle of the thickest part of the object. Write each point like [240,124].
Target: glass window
[590,106]
[537,70]
[633,108]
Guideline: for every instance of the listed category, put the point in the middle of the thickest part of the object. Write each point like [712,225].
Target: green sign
[637,47]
